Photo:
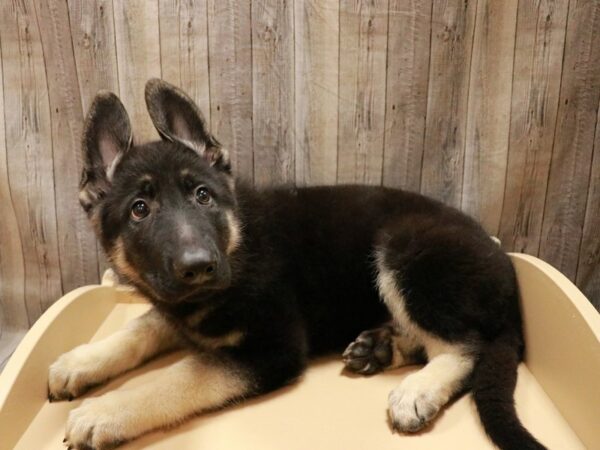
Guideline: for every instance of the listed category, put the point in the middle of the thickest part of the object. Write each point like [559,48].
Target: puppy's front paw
[97,424]
[72,374]
[414,403]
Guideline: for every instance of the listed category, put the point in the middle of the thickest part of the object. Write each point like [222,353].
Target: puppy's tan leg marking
[195,384]
[91,364]
[421,395]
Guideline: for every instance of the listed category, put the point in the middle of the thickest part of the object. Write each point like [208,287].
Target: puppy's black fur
[294,270]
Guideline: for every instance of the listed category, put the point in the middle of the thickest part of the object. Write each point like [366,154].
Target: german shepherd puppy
[258,282]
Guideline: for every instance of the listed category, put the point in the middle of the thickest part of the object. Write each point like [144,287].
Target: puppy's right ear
[106,137]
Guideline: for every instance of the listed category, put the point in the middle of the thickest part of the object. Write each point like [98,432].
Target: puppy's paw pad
[411,408]
[370,353]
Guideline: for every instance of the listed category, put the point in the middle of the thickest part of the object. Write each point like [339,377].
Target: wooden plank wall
[490,106]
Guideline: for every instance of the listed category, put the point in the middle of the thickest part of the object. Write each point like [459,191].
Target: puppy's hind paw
[370,353]
[414,404]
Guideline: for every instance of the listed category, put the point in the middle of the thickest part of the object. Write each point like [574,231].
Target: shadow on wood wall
[489,106]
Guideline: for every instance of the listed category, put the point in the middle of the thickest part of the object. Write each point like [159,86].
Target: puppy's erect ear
[177,118]
[106,137]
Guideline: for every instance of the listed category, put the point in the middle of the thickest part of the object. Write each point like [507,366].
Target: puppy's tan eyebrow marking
[146,185]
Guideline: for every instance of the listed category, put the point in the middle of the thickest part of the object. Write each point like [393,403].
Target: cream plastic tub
[557,396]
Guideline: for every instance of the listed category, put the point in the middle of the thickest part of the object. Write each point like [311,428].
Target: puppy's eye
[139,210]
[202,195]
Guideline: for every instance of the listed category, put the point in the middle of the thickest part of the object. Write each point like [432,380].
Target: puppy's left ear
[177,118]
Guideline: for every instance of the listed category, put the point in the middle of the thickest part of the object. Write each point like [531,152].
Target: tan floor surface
[326,410]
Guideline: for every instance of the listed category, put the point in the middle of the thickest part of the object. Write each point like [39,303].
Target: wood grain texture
[449,69]
[29,154]
[536,84]
[13,311]
[409,40]
[76,241]
[316,25]
[230,53]
[362,83]
[588,268]
[488,116]
[93,41]
[564,211]
[138,55]
[491,106]
[184,48]
[273,91]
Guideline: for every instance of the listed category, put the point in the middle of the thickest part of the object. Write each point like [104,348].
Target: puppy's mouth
[168,291]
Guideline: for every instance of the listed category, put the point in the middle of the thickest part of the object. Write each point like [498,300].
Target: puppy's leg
[434,303]
[197,383]
[380,349]
[88,365]
[421,395]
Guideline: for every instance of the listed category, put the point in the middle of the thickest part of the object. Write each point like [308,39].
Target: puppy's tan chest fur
[191,330]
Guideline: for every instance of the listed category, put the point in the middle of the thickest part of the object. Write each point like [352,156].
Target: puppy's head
[165,212]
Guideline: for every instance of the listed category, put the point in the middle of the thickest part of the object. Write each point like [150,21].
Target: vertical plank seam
[387,57]
[252,96]
[426,97]
[252,87]
[560,86]
[464,152]
[10,196]
[51,139]
[116,50]
[512,88]
[339,75]
[294,31]
[160,58]
[210,120]
[74,62]
[292,150]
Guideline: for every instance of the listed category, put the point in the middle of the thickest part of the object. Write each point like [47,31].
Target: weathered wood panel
[445,126]
[184,48]
[13,312]
[230,54]
[409,39]
[488,117]
[76,241]
[273,91]
[572,155]
[588,268]
[29,155]
[361,101]
[93,41]
[138,56]
[462,100]
[317,30]
[539,49]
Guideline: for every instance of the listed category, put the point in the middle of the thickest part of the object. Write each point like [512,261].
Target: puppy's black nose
[195,266]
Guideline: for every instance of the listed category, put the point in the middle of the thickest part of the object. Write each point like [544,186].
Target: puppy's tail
[494,381]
